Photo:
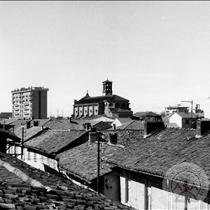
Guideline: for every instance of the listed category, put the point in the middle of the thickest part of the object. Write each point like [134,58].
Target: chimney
[113,138]
[114,126]
[87,126]
[92,137]
[150,127]
[28,124]
[36,123]
[202,127]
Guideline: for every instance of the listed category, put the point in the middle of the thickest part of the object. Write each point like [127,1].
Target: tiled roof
[99,99]
[9,134]
[171,125]
[82,160]
[132,125]
[5,114]
[148,113]
[51,141]
[116,110]
[7,121]
[29,132]
[24,187]
[124,120]
[63,124]
[156,154]
[16,126]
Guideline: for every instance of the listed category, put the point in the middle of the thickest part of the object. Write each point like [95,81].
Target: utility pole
[191,109]
[22,143]
[98,178]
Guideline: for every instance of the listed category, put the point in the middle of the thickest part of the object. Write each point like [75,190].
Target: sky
[157,54]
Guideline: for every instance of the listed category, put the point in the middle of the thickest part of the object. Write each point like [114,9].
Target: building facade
[178,109]
[29,103]
[108,104]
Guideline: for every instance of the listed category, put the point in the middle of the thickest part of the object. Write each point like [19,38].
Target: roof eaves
[75,174]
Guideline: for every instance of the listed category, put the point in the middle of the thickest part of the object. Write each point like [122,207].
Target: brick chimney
[202,127]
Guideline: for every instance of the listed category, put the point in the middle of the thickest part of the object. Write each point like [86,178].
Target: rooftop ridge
[23,176]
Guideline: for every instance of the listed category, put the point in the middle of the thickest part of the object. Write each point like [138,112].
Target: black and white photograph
[105,105]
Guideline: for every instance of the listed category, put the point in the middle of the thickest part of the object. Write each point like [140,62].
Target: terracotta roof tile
[51,141]
[54,193]
[132,125]
[63,124]
[9,134]
[157,153]
[148,113]
[82,160]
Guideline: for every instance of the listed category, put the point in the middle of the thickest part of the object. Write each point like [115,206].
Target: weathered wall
[111,186]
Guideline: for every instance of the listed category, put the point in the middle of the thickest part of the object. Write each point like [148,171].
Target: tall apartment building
[29,103]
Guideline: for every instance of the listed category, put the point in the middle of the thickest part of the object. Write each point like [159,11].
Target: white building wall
[34,159]
[133,194]
[175,118]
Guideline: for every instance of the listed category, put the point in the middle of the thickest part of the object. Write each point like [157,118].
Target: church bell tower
[107,88]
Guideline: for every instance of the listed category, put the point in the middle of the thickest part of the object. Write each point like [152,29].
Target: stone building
[108,104]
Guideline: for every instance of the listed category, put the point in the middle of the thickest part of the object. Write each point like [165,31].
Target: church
[109,104]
